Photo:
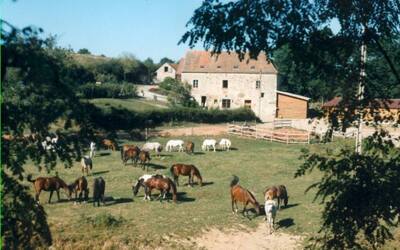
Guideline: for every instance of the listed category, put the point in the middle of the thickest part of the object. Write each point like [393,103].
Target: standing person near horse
[185,170]
[49,184]
[242,195]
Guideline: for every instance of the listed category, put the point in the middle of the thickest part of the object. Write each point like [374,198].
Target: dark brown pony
[80,186]
[185,170]
[242,195]
[130,153]
[277,192]
[49,184]
[189,147]
[109,144]
[162,184]
[144,158]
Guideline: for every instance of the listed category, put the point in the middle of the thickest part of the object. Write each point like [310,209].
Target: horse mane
[234,181]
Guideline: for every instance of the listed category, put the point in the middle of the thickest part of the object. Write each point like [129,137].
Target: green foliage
[103,220]
[165,60]
[178,93]
[107,90]
[84,51]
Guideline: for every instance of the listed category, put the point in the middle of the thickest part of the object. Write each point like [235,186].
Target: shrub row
[122,119]
[107,90]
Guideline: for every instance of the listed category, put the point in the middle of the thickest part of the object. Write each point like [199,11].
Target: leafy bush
[178,93]
[107,90]
[103,219]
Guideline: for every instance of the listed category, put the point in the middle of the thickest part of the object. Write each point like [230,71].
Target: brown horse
[109,144]
[144,158]
[162,184]
[130,152]
[79,185]
[277,192]
[189,147]
[49,184]
[242,195]
[185,170]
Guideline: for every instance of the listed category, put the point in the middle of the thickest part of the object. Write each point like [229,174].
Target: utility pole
[361,93]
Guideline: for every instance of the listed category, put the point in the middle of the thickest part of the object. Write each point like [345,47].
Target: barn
[291,106]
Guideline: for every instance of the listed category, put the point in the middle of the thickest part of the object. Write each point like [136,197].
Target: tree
[84,51]
[254,26]
[178,93]
[165,60]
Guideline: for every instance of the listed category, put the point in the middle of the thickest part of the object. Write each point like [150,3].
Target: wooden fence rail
[268,134]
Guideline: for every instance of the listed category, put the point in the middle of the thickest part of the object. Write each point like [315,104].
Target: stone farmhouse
[223,81]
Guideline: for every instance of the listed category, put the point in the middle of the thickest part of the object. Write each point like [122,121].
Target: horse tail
[122,153]
[172,170]
[174,195]
[30,178]
[234,181]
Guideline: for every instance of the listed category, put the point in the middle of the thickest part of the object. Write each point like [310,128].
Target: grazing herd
[164,184]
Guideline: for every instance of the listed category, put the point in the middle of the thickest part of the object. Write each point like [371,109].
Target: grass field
[127,222]
[133,104]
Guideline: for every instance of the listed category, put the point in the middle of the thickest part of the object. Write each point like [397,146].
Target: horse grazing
[49,184]
[242,195]
[225,144]
[144,158]
[153,146]
[99,186]
[185,170]
[270,214]
[174,144]
[208,144]
[86,164]
[109,144]
[162,184]
[79,185]
[277,192]
[130,152]
[189,147]
[140,183]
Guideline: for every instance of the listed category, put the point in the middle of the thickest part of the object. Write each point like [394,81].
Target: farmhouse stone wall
[289,107]
[161,74]
[241,88]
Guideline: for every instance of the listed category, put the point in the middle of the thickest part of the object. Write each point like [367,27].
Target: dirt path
[258,239]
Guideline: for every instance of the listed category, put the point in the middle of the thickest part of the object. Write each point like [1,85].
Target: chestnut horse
[185,170]
[130,152]
[109,144]
[79,185]
[49,184]
[140,183]
[277,192]
[144,158]
[242,195]
[162,184]
[189,147]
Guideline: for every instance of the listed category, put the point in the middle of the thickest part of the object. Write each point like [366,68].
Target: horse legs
[279,203]
[51,194]
[176,180]
[58,195]
[37,197]
[244,212]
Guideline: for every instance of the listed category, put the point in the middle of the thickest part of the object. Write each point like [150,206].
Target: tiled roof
[390,103]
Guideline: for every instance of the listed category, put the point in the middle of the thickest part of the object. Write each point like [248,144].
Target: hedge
[107,90]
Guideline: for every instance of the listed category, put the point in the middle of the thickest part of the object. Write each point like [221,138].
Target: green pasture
[128,220]
[132,104]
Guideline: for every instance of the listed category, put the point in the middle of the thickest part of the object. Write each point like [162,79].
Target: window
[218,67]
[202,66]
[262,94]
[215,101]
[258,84]
[226,103]
[195,83]
[203,101]
[236,67]
[165,69]
[253,67]
[225,84]
[247,103]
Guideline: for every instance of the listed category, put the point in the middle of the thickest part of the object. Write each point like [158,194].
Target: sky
[144,28]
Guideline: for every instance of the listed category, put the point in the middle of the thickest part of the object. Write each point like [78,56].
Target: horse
[171,144]
[92,148]
[185,170]
[209,143]
[162,184]
[130,152]
[225,144]
[270,214]
[144,158]
[153,146]
[189,147]
[243,195]
[86,164]
[140,183]
[49,184]
[277,192]
[99,186]
[109,144]
[79,185]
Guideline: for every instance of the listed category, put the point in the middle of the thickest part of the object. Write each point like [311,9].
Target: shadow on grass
[104,154]
[183,198]
[198,153]
[285,223]
[161,155]
[289,206]
[111,201]
[100,172]
[155,166]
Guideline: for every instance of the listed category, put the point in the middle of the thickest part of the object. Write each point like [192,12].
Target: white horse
[49,143]
[92,149]
[155,146]
[225,144]
[271,208]
[172,144]
[86,164]
[208,144]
